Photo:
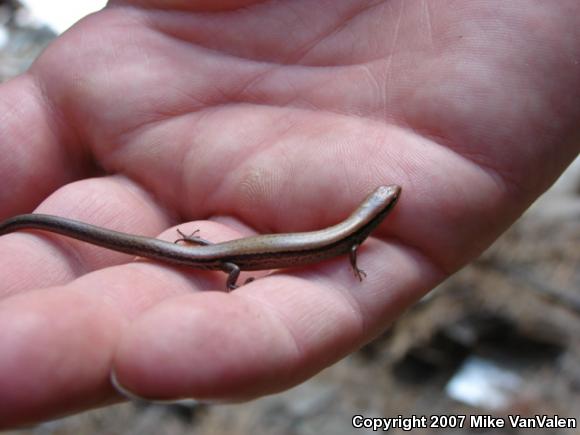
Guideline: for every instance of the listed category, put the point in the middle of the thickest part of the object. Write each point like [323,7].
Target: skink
[269,251]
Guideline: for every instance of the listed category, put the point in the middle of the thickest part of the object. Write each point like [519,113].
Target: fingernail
[128,394]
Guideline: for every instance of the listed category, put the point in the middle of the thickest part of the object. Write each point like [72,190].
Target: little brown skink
[269,251]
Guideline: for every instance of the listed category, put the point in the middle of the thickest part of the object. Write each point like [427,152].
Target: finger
[56,344]
[55,353]
[37,259]
[270,334]
[39,153]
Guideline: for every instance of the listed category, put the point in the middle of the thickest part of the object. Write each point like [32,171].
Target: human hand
[275,117]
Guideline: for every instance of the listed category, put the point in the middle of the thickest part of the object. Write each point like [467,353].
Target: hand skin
[262,117]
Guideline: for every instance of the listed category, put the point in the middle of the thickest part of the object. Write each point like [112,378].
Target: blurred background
[500,337]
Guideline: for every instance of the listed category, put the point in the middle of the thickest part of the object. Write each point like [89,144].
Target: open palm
[262,117]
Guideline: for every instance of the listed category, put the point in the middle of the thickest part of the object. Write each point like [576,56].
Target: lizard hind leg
[192,238]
